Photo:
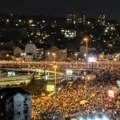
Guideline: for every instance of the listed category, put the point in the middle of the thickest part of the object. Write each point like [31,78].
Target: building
[81,19]
[5,52]
[101,19]
[31,51]
[40,51]
[76,19]
[15,104]
[55,54]
[17,51]
[68,33]
[30,48]
[71,19]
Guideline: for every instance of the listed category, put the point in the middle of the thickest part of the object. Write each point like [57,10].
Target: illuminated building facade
[76,19]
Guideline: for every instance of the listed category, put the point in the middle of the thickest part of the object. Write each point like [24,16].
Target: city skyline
[61,8]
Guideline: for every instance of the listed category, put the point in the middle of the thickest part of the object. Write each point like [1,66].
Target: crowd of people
[81,98]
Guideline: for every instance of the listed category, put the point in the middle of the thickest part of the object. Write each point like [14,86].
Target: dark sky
[61,7]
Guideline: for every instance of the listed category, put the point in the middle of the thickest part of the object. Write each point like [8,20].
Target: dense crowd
[81,98]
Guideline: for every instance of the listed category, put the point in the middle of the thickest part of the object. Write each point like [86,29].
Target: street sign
[50,88]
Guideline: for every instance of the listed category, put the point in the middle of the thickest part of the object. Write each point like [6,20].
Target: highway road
[27,76]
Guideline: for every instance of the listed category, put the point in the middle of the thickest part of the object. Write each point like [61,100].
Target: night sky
[61,7]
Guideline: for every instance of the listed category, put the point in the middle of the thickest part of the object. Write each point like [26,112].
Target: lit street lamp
[76,55]
[54,55]
[86,41]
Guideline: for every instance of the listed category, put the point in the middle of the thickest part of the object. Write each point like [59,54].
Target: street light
[55,70]
[76,55]
[86,41]
[54,55]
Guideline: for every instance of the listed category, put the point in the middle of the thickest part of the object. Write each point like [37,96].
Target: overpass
[27,77]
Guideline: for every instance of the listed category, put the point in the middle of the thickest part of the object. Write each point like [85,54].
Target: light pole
[76,55]
[86,41]
[48,56]
[86,55]
[54,55]
[55,78]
